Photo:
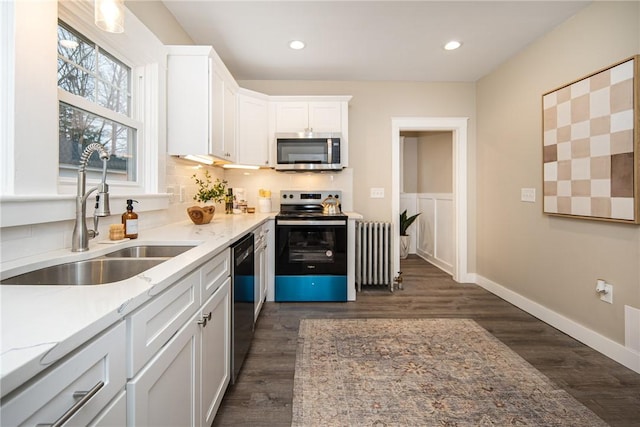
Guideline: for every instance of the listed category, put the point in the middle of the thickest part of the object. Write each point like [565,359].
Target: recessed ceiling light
[296,44]
[452,45]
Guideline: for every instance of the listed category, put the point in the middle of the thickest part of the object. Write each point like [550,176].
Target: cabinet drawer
[214,273]
[50,397]
[154,324]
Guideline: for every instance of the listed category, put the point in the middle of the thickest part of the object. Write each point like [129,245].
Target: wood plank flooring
[262,395]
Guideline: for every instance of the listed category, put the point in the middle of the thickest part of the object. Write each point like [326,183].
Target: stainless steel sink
[95,271]
[148,252]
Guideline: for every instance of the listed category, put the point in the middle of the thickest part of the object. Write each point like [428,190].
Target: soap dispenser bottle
[130,221]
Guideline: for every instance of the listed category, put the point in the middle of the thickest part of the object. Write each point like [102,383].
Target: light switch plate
[377,193]
[528,195]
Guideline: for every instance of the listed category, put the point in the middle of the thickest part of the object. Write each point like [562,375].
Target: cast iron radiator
[373,254]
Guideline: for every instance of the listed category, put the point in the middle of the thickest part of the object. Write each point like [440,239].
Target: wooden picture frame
[591,146]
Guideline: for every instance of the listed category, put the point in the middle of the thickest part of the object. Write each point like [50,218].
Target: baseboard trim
[598,342]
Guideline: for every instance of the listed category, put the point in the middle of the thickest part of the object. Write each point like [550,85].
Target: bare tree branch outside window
[85,70]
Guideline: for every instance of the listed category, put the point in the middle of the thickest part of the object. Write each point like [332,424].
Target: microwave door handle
[329,151]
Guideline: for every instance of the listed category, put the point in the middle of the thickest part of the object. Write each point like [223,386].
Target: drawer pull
[84,397]
[204,320]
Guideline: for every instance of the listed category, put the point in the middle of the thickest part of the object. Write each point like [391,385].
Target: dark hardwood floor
[263,393]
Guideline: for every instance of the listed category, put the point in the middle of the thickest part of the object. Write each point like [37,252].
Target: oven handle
[311,222]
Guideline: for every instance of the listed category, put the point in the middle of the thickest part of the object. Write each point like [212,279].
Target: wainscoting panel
[432,235]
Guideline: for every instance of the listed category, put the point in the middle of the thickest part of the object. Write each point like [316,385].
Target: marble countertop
[41,324]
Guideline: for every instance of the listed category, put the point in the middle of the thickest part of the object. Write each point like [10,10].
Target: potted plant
[405,239]
[208,190]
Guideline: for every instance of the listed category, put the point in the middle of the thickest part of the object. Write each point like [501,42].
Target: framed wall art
[591,146]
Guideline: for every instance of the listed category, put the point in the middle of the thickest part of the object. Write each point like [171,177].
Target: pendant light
[109,15]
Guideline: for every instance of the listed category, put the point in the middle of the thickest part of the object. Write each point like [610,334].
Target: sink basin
[148,252]
[96,271]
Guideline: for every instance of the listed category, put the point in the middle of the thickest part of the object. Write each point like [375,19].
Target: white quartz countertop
[41,324]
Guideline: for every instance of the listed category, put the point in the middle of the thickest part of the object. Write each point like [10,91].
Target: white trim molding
[618,352]
[458,125]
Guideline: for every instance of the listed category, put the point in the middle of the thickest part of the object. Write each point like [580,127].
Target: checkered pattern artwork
[590,146]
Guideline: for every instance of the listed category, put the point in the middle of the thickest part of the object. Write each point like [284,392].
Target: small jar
[116,232]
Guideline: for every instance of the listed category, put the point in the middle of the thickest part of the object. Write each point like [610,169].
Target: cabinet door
[115,414]
[325,116]
[154,324]
[217,113]
[216,351]
[292,116]
[229,127]
[260,281]
[253,136]
[166,391]
[188,104]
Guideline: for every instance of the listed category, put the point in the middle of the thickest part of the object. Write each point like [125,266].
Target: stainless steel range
[311,247]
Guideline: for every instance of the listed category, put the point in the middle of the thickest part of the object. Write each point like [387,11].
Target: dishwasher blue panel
[310,288]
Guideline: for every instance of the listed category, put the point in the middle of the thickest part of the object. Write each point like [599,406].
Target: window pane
[113,89]
[76,64]
[78,128]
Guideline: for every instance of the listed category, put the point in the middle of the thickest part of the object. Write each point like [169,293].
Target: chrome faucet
[81,235]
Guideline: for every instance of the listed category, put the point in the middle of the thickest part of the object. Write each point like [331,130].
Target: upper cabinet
[253,128]
[201,103]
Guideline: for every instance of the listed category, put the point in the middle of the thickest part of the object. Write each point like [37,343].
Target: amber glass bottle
[130,221]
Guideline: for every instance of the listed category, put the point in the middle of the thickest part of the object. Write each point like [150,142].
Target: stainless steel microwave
[308,151]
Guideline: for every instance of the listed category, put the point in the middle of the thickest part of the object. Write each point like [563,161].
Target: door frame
[458,126]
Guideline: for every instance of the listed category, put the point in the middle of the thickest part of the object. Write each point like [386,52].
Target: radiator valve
[398,280]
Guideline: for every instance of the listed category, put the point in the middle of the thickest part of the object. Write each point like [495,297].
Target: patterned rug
[421,372]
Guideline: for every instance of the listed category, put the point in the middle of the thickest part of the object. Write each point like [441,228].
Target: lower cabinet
[216,352]
[184,382]
[165,391]
[76,390]
[115,414]
[167,364]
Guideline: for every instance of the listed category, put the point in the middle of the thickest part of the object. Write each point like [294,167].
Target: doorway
[458,127]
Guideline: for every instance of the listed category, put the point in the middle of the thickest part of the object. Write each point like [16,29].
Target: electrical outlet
[607,295]
[528,195]
[183,193]
[377,193]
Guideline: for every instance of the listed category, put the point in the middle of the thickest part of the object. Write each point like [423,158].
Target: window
[94,106]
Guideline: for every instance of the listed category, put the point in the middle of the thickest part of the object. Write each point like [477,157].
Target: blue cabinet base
[310,288]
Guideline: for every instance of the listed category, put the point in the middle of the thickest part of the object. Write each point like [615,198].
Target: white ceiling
[367,40]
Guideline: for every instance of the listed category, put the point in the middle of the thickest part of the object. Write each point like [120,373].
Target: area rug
[421,372]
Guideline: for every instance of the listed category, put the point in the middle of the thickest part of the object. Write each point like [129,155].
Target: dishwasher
[242,320]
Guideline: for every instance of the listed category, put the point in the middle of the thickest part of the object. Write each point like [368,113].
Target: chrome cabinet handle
[204,320]
[84,397]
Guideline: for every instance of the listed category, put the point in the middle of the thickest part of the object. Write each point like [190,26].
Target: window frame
[30,183]
[134,120]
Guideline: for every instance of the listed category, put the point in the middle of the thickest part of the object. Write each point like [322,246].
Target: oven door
[311,247]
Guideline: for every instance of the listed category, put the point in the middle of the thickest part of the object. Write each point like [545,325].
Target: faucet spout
[81,235]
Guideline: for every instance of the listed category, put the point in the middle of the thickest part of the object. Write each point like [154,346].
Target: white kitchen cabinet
[312,114]
[151,326]
[214,273]
[166,391]
[215,369]
[115,414]
[260,269]
[270,256]
[180,356]
[201,103]
[95,373]
[253,128]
